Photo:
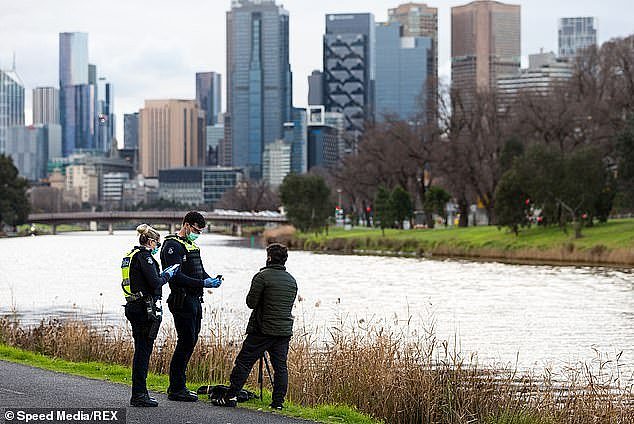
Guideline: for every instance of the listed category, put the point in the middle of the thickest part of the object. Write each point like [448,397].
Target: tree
[383,209]
[401,205]
[249,196]
[436,200]
[307,201]
[512,204]
[625,161]
[14,202]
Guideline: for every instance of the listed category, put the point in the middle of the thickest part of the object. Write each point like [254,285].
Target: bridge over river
[171,218]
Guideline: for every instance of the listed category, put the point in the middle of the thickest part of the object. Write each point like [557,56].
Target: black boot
[143,401]
[183,395]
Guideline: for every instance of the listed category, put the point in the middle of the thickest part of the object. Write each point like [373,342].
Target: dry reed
[386,375]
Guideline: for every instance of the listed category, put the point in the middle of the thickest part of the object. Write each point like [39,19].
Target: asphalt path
[26,387]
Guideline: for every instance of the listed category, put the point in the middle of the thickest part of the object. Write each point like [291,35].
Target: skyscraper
[295,134]
[77,99]
[209,95]
[316,88]
[170,136]
[576,34]
[11,103]
[349,68]
[105,119]
[45,105]
[131,130]
[258,81]
[402,81]
[485,43]
[420,20]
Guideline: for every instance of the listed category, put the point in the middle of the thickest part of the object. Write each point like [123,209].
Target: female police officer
[142,285]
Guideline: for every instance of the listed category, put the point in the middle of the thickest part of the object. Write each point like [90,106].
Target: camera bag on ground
[217,392]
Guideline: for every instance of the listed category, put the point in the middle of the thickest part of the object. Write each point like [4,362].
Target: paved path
[22,386]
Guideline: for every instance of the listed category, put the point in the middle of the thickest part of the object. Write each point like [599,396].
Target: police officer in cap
[186,298]
[142,286]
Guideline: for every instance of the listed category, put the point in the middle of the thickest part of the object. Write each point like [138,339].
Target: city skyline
[160,66]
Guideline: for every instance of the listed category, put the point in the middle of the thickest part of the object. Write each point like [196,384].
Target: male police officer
[271,296]
[185,298]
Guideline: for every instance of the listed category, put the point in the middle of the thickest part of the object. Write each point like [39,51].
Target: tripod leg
[261,379]
[268,368]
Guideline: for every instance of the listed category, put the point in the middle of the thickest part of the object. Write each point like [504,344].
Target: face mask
[192,236]
[155,250]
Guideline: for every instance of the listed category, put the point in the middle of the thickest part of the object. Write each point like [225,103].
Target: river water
[535,316]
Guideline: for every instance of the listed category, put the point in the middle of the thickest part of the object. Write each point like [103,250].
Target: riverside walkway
[26,387]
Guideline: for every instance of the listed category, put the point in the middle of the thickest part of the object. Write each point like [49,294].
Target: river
[539,316]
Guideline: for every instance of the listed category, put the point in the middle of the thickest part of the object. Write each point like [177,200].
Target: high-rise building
[576,34]
[105,119]
[197,185]
[485,44]
[259,81]
[215,138]
[276,162]
[209,95]
[295,134]
[170,135]
[45,105]
[316,88]
[28,147]
[131,130]
[402,80]
[77,98]
[11,103]
[420,20]
[349,68]
[323,140]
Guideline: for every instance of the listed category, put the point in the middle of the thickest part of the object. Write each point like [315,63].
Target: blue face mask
[155,250]
[192,236]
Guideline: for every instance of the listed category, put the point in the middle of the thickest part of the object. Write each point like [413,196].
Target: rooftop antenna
[13,69]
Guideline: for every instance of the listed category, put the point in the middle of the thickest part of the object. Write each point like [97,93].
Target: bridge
[171,218]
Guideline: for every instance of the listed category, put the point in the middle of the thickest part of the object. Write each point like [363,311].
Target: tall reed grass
[387,375]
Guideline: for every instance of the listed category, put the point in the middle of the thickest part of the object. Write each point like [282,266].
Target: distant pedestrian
[142,284]
[271,296]
[186,298]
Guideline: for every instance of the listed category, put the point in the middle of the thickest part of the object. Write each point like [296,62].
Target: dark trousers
[187,322]
[143,344]
[253,348]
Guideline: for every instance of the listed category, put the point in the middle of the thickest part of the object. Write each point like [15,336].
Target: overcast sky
[152,48]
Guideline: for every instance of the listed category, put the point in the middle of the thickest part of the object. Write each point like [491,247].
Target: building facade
[349,68]
[170,136]
[11,104]
[295,134]
[131,130]
[576,34]
[197,185]
[402,80]
[316,88]
[215,138]
[323,139]
[28,147]
[276,162]
[259,81]
[485,44]
[420,20]
[112,187]
[45,105]
[209,95]
[77,96]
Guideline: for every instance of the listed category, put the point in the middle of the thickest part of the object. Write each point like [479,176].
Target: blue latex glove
[213,283]
[170,271]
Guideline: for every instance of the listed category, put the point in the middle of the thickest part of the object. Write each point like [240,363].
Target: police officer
[186,298]
[142,283]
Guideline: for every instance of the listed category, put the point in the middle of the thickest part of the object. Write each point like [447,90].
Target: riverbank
[408,382]
[610,244]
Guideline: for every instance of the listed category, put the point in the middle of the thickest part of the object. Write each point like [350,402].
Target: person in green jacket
[271,296]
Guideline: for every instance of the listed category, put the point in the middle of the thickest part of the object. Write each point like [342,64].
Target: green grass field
[611,243]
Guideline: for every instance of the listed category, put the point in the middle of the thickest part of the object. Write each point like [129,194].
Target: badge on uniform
[170,250]
[149,260]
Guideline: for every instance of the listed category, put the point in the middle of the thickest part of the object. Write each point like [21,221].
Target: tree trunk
[463,208]
[577,226]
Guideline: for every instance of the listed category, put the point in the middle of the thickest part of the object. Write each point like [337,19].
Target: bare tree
[250,196]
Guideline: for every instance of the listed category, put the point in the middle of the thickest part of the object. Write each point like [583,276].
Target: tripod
[264,360]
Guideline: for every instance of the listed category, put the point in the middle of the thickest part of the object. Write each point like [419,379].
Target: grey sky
[153,48]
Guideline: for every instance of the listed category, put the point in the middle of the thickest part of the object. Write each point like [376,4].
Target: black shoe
[230,401]
[183,396]
[143,401]
[275,405]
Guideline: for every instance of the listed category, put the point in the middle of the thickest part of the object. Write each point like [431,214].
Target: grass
[397,378]
[610,243]
[159,383]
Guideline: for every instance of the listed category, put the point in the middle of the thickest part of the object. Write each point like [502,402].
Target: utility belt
[178,296]
[154,312]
